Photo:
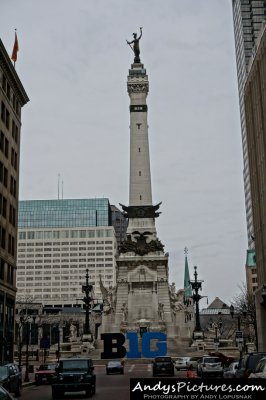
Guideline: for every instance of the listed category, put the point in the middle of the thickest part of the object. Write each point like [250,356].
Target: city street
[108,387]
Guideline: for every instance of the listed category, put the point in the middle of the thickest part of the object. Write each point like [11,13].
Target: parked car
[209,366]
[248,363]
[193,361]
[74,375]
[260,370]
[225,360]
[230,372]
[11,378]
[5,395]
[163,366]
[181,363]
[114,367]
[45,373]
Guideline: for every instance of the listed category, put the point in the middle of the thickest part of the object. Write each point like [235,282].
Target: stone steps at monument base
[122,296]
[178,346]
[163,297]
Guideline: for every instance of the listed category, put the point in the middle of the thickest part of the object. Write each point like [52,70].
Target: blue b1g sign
[113,345]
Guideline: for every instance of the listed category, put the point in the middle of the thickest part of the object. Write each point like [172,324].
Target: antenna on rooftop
[62,189]
[58,185]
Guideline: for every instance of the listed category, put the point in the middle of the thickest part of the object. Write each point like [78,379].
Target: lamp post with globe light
[196,285]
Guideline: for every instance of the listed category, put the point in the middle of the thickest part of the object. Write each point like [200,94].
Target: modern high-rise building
[58,240]
[12,98]
[248,17]
[120,223]
[255,109]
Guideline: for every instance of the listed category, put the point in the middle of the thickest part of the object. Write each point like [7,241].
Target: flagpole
[15,39]
[15,49]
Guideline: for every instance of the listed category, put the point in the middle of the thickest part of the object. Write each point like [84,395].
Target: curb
[26,384]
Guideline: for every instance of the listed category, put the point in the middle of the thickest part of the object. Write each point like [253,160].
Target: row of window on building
[64,234]
[11,97]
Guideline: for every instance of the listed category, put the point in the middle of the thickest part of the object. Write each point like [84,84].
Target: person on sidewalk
[190,372]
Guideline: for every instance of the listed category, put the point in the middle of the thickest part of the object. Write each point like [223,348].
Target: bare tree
[244,307]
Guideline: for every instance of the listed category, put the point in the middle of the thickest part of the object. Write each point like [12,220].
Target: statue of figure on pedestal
[109,297]
[173,289]
[161,311]
[124,310]
[135,48]
[72,333]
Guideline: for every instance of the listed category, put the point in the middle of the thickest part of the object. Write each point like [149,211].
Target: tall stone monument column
[142,300]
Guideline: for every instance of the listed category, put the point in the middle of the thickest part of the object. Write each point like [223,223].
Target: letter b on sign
[114,345]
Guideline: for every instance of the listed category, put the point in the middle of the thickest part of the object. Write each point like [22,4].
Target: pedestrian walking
[190,372]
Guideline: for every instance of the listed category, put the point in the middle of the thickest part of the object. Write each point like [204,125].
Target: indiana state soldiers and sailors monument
[142,300]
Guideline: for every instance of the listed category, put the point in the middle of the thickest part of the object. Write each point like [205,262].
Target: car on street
[209,366]
[114,367]
[230,372]
[181,363]
[247,364]
[5,395]
[45,373]
[163,366]
[11,378]
[74,375]
[260,370]
[193,361]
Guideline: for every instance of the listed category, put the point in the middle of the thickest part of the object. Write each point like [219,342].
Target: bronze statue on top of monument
[135,48]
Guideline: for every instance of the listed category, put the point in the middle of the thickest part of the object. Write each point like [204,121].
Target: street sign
[239,334]
[240,346]
[45,343]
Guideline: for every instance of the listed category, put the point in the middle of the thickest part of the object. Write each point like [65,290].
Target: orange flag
[15,49]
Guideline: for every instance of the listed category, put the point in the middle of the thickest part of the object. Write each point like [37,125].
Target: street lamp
[87,289]
[196,285]
[21,319]
[58,343]
[28,330]
[244,313]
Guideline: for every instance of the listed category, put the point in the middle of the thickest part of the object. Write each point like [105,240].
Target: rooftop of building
[64,213]
[12,74]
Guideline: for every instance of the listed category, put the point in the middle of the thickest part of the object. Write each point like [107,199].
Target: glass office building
[64,213]
[58,240]
[248,17]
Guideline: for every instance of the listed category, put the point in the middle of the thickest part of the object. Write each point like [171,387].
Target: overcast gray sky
[73,62]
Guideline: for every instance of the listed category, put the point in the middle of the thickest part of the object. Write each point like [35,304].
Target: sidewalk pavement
[31,378]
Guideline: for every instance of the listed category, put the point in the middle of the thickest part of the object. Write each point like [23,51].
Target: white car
[260,370]
[181,363]
[230,372]
[193,362]
[209,366]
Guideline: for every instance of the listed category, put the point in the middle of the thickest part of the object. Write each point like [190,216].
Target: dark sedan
[10,378]
[163,366]
[5,395]
[114,367]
